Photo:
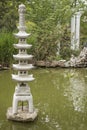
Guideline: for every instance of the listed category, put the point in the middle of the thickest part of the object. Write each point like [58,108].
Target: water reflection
[76,91]
[59,94]
[23,127]
[50,123]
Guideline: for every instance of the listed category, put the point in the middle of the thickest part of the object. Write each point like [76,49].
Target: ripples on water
[59,94]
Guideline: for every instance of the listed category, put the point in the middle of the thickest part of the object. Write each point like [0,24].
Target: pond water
[59,94]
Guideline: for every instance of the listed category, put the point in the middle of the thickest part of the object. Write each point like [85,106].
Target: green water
[59,94]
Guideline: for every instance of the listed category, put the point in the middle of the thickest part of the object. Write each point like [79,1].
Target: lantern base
[21,115]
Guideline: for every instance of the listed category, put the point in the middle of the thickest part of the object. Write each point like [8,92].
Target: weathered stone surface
[4,67]
[22,115]
[80,61]
[60,63]
[22,91]
[54,64]
[40,63]
[0,66]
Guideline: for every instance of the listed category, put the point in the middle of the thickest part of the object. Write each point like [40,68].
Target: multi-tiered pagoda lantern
[22,91]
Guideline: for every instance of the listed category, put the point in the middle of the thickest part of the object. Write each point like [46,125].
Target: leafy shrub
[6,48]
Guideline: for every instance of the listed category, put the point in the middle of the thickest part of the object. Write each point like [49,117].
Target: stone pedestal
[22,115]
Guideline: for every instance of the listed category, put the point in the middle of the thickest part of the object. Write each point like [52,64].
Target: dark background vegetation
[48,21]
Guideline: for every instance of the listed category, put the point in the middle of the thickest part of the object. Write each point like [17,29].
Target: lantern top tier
[21,11]
[22,27]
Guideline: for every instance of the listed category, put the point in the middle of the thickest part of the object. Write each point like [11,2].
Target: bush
[6,48]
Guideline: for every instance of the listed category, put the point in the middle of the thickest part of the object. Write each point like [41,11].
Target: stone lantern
[22,92]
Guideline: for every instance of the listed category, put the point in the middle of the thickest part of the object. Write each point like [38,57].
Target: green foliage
[83,29]
[75,52]
[65,51]
[52,20]
[6,48]
[9,14]
[48,21]
[49,17]
[54,58]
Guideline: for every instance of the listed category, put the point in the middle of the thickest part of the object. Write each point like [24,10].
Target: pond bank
[76,62]
[80,61]
[4,67]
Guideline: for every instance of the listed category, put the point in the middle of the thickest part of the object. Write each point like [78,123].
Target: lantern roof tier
[23,57]
[22,46]
[22,78]
[22,34]
[23,67]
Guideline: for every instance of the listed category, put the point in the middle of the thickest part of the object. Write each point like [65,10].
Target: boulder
[80,61]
